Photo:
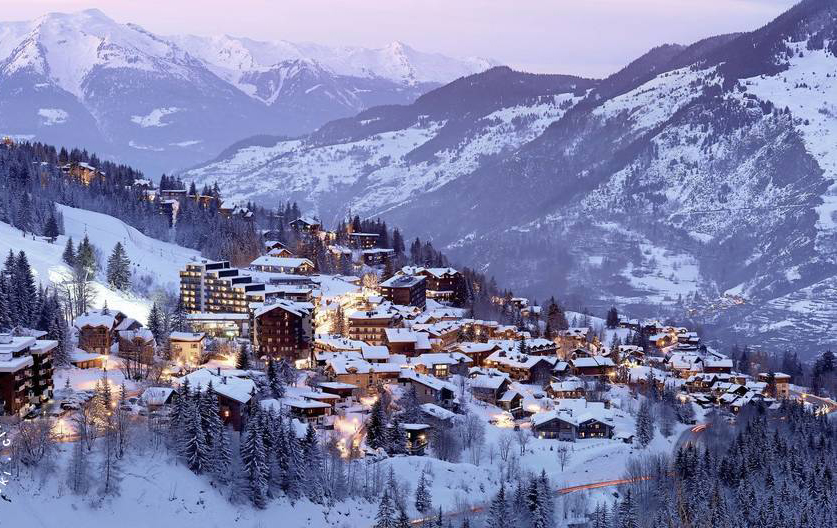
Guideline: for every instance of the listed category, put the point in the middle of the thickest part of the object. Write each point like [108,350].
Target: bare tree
[35,441]
[504,444]
[563,456]
[522,438]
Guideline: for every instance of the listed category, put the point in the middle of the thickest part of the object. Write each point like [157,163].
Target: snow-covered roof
[592,362]
[519,361]
[485,381]
[374,352]
[440,413]
[427,380]
[95,319]
[402,281]
[156,395]
[232,387]
[140,333]
[436,272]
[281,262]
[186,336]
[441,358]
[299,309]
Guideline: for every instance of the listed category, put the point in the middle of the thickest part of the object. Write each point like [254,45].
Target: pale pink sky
[589,37]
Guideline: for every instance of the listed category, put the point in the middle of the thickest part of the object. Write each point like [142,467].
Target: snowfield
[158,260]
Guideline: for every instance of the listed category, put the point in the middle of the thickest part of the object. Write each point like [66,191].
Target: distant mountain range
[700,181]
[163,103]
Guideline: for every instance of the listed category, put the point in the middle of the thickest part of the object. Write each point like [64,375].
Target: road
[824,405]
[691,436]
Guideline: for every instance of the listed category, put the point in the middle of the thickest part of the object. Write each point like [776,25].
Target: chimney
[224,380]
[219,371]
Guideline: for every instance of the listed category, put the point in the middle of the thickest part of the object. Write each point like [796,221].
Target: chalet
[82,172]
[282,329]
[42,371]
[594,366]
[85,360]
[521,367]
[438,416]
[443,334]
[478,352]
[137,345]
[417,437]
[572,388]
[442,364]
[718,366]
[574,419]
[443,284]
[157,397]
[541,347]
[370,326]
[187,347]
[576,337]
[25,373]
[233,393]
[306,225]
[96,330]
[297,266]
[304,410]
[344,391]
[406,341]
[685,364]
[429,389]
[780,383]
[376,256]
[271,244]
[511,401]
[363,240]
[280,253]
[220,324]
[489,388]
[561,369]
[631,355]
[360,373]
[406,290]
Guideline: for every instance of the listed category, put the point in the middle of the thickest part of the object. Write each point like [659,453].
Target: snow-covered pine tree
[499,512]
[644,424]
[242,360]
[312,482]
[423,502]
[51,229]
[396,443]
[376,429]
[86,256]
[410,406]
[155,322]
[26,292]
[179,321]
[194,449]
[294,465]
[5,304]
[627,512]
[253,462]
[403,521]
[385,518]
[274,382]
[69,254]
[119,268]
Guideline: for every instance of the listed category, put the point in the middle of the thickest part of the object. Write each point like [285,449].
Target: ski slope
[159,260]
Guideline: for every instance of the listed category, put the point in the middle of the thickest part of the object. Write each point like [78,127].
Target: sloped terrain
[699,181]
[165,103]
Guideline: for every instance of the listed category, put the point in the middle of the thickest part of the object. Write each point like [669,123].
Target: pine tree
[254,463]
[242,360]
[644,424]
[195,449]
[424,503]
[5,304]
[293,469]
[155,322]
[312,458]
[410,406]
[499,514]
[179,321]
[78,471]
[86,256]
[51,229]
[385,518]
[119,268]
[25,296]
[376,434]
[627,512]
[396,438]
[274,382]
[403,521]
[612,320]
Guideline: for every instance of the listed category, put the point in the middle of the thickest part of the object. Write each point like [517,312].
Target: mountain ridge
[164,103]
[683,184]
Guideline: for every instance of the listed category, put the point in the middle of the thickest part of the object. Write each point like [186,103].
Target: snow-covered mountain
[161,103]
[700,180]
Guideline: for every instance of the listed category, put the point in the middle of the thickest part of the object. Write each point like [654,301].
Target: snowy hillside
[699,181]
[161,103]
[158,260]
